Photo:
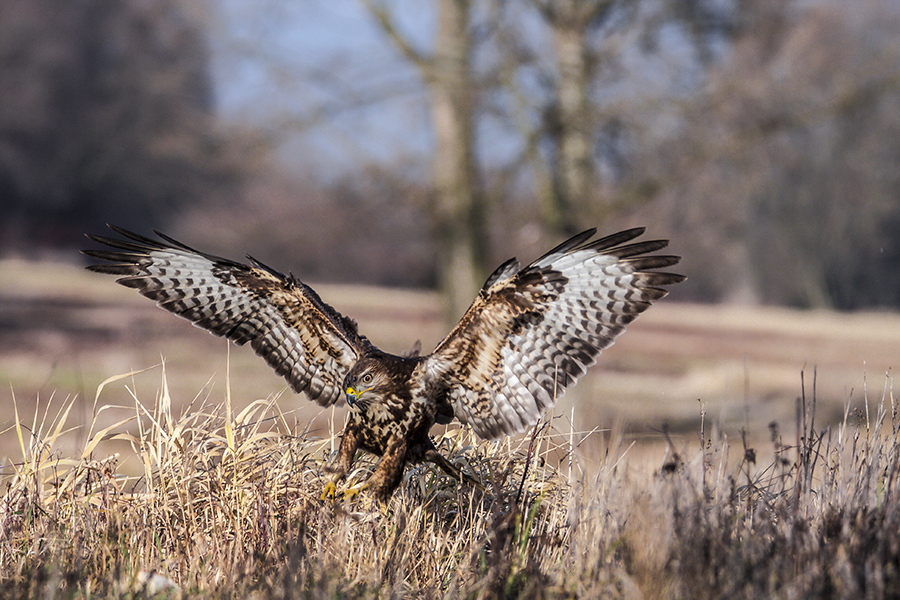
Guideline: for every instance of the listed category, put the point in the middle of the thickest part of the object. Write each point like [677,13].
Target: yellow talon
[330,491]
[353,492]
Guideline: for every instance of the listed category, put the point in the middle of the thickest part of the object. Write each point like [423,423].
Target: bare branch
[386,22]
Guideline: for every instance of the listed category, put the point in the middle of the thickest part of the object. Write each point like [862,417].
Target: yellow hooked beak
[353,394]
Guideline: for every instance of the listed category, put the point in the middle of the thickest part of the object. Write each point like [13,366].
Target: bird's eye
[367,378]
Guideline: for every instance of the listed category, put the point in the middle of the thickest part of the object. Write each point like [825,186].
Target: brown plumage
[529,335]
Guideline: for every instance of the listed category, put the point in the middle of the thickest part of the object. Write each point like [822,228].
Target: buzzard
[530,334]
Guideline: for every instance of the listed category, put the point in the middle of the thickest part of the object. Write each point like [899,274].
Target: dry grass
[227,505]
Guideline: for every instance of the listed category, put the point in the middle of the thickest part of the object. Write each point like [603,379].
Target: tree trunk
[570,120]
[574,174]
[459,204]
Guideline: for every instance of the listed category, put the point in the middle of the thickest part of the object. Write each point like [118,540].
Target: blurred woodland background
[421,143]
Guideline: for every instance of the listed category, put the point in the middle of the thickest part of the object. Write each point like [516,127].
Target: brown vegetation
[162,478]
[227,505]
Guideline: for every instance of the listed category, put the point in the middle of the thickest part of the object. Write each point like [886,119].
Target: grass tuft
[228,505]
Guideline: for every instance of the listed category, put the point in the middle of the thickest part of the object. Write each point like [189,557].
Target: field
[713,452]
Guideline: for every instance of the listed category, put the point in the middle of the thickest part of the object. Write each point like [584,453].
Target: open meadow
[713,452]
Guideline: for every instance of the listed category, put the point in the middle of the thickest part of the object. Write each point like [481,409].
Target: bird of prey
[529,335]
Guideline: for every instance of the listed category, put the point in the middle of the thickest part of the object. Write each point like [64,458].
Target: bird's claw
[351,493]
[330,491]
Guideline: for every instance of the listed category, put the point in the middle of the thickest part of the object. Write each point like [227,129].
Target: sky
[322,69]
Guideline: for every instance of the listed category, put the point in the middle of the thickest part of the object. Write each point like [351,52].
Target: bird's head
[363,382]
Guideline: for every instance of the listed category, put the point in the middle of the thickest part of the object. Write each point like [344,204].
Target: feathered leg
[387,475]
[347,450]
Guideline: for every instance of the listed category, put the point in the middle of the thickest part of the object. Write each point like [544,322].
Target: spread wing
[532,332]
[304,339]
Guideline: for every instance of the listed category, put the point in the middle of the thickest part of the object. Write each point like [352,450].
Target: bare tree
[570,22]
[784,170]
[593,109]
[460,209]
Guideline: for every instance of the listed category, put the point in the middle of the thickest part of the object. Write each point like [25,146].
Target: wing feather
[531,333]
[301,337]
